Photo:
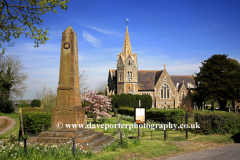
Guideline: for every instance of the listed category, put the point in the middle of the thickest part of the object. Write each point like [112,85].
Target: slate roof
[179,79]
[179,86]
[147,79]
[114,74]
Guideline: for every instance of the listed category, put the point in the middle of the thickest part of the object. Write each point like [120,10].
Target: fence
[188,119]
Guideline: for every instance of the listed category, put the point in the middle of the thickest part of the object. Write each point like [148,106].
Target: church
[167,91]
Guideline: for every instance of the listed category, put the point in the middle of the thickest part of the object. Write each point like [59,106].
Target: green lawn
[156,146]
[149,146]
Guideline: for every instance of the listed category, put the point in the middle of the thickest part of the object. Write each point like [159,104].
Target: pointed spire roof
[126,46]
[68,30]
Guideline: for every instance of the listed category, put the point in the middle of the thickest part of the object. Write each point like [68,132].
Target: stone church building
[166,90]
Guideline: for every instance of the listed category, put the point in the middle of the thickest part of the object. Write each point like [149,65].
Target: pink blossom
[100,104]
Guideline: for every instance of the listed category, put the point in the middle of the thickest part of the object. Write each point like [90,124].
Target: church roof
[114,75]
[147,79]
[179,79]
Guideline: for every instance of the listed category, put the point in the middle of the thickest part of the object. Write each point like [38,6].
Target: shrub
[114,100]
[32,122]
[173,115]
[123,100]
[35,103]
[147,101]
[7,106]
[220,123]
[115,110]
[131,100]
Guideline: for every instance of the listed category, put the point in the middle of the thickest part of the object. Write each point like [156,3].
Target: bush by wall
[172,115]
[220,122]
[131,100]
[32,122]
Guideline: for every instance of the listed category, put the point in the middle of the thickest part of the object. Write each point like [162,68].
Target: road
[228,152]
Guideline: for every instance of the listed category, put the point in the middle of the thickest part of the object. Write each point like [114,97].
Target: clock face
[66,45]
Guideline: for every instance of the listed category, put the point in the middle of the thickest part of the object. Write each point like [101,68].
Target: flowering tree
[99,105]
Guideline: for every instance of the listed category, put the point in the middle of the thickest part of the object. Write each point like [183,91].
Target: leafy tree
[12,76]
[233,61]
[218,80]
[99,105]
[23,17]
[35,103]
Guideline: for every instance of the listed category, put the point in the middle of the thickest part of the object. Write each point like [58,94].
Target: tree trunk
[212,106]
[233,106]
[222,104]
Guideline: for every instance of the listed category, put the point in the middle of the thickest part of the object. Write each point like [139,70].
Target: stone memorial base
[84,138]
[59,134]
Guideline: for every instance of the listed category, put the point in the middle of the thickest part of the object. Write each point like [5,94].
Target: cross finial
[164,66]
[127,21]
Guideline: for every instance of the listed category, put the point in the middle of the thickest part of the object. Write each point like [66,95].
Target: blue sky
[179,33]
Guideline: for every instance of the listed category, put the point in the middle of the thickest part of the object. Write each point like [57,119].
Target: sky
[180,34]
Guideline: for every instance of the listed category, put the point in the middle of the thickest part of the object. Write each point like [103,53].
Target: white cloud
[94,41]
[111,33]
[209,26]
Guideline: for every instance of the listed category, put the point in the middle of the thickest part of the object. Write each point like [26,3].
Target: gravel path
[10,126]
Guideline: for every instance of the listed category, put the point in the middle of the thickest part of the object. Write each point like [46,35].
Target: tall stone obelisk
[68,108]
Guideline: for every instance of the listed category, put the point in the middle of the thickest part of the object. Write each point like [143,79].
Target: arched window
[183,95]
[119,76]
[162,92]
[129,62]
[165,91]
[130,75]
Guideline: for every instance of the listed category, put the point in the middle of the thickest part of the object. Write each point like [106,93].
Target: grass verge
[152,144]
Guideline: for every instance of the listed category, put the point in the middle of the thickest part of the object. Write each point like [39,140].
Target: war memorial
[69,108]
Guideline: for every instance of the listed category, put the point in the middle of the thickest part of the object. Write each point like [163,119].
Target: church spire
[126,46]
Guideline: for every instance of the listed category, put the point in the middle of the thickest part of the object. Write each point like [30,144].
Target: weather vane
[127,21]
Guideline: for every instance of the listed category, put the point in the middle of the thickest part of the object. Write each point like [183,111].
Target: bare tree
[40,94]
[101,87]
[82,80]
[12,70]
[47,98]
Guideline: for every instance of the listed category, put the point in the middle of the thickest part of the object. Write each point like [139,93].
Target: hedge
[174,116]
[131,100]
[220,123]
[32,122]
[35,103]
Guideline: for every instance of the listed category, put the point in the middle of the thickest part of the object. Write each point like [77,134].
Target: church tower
[127,68]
